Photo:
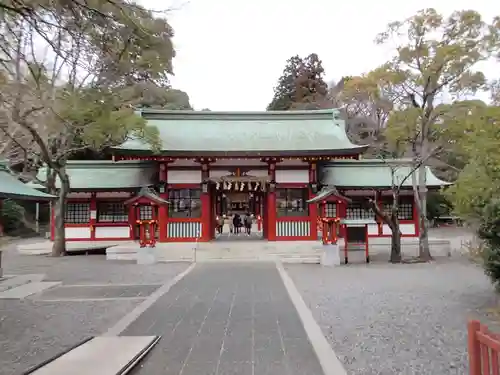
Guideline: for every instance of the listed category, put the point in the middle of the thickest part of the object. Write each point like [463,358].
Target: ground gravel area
[32,332]
[397,319]
[88,269]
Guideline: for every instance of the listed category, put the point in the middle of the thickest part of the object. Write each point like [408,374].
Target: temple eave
[354,151]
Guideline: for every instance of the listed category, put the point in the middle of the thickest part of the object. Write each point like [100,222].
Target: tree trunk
[396,246]
[393,223]
[424,252]
[59,246]
[395,239]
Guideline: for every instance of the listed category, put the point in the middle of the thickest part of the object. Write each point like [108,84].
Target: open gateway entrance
[232,208]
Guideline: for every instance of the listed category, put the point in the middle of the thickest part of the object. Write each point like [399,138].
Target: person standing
[230,222]
[237,223]
[248,221]
[220,223]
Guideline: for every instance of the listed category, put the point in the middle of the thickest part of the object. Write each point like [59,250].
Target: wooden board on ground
[101,355]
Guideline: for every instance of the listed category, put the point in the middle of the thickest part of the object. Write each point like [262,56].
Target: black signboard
[356,234]
[356,240]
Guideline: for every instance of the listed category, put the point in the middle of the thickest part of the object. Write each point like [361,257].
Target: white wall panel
[77,232]
[292,176]
[184,177]
[112,232]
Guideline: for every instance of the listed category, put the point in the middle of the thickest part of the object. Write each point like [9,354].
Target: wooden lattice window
[112,212]
[77,213]
[405,208]
[356,210]
[145,212]
[292,202]
[184,203]
[331,209]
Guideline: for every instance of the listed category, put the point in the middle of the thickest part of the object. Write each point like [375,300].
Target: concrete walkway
[223,319]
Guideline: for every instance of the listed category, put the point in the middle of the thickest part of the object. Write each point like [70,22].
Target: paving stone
[270,368]
[96,292]
[26,290]
[242,309]
[235,368]
[15,281]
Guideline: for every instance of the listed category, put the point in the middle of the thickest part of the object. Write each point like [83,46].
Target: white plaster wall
[372,229]
[258,172]
[407,228]
[112,232]
[218,173]
[77,232]
[404,228]
[184,177]
[292,176]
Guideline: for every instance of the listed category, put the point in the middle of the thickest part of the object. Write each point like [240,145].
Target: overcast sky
[230,53]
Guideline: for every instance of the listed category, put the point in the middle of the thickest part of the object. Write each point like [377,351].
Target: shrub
[12,215]
[489,231]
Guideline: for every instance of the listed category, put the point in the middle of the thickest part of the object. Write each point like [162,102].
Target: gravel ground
[91,269]
[32,332]
[397,319]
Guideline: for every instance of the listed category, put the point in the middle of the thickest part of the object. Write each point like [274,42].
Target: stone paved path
[226,319]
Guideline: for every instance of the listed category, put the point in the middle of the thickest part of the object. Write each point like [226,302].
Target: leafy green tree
[478,184]
[489,231]
[436,55]
[301,85]
[79,95]
[366,108]
[311,90]
[284,92]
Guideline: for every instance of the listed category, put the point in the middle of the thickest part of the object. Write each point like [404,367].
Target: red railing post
[474,347]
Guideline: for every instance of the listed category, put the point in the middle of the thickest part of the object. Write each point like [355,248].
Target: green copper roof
[11,187]
[106,174]
[371,173]
[188,133]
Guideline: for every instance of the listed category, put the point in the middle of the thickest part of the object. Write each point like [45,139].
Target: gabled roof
[11,187]
[106,174]
[271,133]
[326,192]
[149,194]
[372,173]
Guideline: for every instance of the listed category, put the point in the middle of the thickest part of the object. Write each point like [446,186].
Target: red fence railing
[484,349]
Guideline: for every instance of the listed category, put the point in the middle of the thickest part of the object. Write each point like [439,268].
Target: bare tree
[65,85]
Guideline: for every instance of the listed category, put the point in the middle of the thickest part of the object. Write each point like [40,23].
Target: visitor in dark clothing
[248,223]
[237,223]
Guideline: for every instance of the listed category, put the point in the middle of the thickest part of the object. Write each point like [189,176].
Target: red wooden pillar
[93,215]
[206,206]
[342,214]
[313,208]
[271,203]
[474,347]
[163,209]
